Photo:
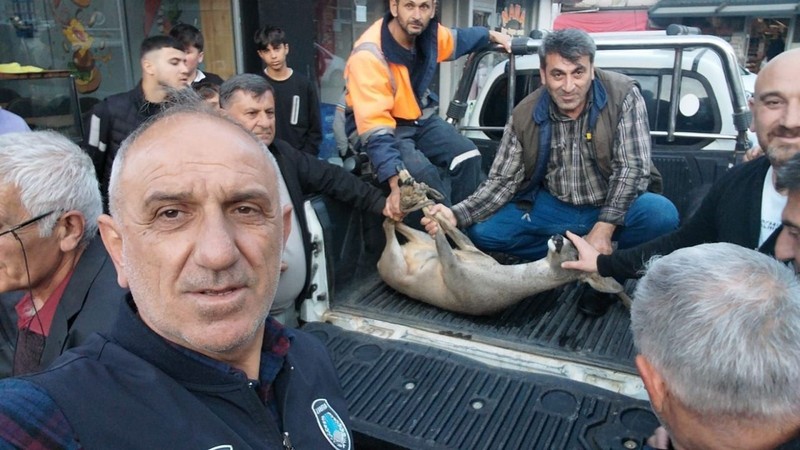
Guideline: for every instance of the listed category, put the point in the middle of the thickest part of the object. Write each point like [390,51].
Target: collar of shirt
[199,76]
[277,340]
[395,52]
[27,319]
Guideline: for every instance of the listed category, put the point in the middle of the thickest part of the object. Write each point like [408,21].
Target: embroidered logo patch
[331,425]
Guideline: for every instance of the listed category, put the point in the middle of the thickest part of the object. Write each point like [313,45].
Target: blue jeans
[436,154]
[510,231]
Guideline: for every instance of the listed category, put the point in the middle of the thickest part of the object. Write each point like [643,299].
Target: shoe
[595,303]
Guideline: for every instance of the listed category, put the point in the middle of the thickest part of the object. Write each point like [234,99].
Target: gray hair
[180,102]
[788,175]
[570,43]
[254,85]
[721,324]
[52,174]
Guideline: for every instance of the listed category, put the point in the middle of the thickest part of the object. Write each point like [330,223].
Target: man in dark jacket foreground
[57,283]
[196,231]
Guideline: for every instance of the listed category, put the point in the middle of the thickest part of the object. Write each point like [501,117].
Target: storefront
[98,40]
[757,29]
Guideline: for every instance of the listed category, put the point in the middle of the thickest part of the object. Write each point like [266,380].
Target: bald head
[776,102]
[785,61]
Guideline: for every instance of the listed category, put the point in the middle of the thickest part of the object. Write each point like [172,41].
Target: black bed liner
[546,324]
[405,395]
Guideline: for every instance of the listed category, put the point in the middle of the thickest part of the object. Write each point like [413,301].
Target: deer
[464,279]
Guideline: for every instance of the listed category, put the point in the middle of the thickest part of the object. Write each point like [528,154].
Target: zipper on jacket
[287,443]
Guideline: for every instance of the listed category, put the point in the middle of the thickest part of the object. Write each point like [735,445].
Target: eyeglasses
[26,223]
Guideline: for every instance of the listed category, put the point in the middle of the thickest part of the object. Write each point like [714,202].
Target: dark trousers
[435,153]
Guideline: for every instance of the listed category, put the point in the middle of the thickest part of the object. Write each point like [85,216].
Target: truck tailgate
[406,395]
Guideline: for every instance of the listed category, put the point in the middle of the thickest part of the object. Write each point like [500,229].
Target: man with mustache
[250,100]
[575,155]
[197,231]
[743,207]
[391,113]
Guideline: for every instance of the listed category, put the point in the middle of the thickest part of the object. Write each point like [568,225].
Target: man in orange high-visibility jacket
[393,112]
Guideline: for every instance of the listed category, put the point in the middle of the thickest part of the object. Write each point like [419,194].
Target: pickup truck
[539,375]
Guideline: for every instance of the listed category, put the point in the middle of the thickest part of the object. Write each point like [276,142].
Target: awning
[603,21]
[701,8]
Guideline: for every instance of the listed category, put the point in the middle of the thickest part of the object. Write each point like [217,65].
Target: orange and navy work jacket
[387,85]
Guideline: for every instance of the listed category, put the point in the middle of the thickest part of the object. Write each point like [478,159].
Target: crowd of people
[162,280]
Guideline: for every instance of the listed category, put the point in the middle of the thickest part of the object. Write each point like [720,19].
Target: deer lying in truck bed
[464,279]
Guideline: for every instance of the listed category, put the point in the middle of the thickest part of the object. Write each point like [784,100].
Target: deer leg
[460,239]
[392,256]
[445,252]
[411,234]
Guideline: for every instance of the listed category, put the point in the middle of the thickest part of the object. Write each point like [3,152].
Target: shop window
[101,51]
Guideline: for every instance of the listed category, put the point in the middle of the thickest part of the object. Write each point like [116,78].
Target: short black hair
[188,35]
[788,175]
[269,36]
[159,42]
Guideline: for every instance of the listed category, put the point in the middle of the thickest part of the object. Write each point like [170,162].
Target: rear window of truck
[697,113]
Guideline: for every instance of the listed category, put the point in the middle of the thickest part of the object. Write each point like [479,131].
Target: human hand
[500,38]
[659,439]
[442,213]
[587,255]
[392,208]
[600,237]
[753,153]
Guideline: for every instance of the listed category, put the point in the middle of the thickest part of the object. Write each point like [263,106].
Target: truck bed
[412,373]
[545,324]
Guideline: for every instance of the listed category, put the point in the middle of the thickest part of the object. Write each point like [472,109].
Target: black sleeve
[320,177]
[96,136]
[699,229]
[313,138]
